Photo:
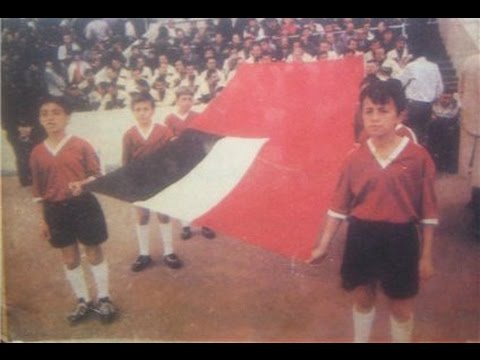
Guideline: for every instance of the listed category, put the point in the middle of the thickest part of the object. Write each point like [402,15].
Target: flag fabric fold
[261,162]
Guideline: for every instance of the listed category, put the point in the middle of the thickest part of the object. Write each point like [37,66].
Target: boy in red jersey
[142,139]
[385,189]
[60,166]
[177,122]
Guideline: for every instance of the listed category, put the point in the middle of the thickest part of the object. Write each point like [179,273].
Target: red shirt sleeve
[92,162]
[126,149]
[342,197]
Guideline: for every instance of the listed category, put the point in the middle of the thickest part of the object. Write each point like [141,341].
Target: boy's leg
[76,278]
[166,231]
[208,233]
[99,268]
[363,312]
[401,320]
[143,237]
[186,230]
[74,271]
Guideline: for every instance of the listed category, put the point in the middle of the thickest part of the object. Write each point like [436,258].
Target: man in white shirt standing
[423,85]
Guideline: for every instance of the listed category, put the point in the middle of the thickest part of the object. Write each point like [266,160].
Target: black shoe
[173,261]
[142,262]
[105,310]
[81,312]
[209,234]
[186,233]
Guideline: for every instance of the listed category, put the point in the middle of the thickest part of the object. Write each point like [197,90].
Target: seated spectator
[95,98]
[55,82]
[255,54]
[67,50]
[443,132]
[164,68]
[289,27]
[192,81]
[211,65]
[88,84]
[145,71]
[114,99]
[388,40]
[325,52]
[209,88]
[400,54]
[76,69]
[381,59]
[298,54]
[161,94]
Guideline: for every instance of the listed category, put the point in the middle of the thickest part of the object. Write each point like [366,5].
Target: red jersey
[178,123]
[399,189]
[73,159]
[136,144]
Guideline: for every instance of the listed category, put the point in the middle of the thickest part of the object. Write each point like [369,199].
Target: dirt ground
[228,291]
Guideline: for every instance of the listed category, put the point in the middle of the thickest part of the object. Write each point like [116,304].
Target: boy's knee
[401,310]
[164,219]
[71,262]
[365,297]
[143,219]
[94,254]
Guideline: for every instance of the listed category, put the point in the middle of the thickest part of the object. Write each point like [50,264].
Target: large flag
[261,163]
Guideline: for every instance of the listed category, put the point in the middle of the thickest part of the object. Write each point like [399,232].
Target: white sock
[401,331]
[143,236]
[100,274]
[76,278]
[184,223]
[167,238]
[362,325]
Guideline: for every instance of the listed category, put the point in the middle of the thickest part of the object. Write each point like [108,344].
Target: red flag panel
[307,111]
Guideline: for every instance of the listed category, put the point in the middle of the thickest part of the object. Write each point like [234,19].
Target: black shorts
[384,252]
[80,218]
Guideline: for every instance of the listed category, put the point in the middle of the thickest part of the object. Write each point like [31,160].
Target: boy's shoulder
[417,150]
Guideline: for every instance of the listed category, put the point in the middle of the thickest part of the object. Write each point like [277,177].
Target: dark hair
[379,92]
[183,91]
[58,100]
[142,97]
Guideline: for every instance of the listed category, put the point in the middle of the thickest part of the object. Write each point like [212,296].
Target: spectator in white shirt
[161,94]
[400,54]
[76,69]
[423,85]
[67,50]
[97,30]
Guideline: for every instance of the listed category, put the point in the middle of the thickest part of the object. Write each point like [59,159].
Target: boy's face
[380,120]
[53,118]
[143,112]
[185,102]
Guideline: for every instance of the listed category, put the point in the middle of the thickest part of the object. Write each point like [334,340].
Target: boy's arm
[320,251]
[429,220]
[43,226]
[426,267]
[92,170]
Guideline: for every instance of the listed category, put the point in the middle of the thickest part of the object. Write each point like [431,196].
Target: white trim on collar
[60,145]
[385,162]
[182,117]
[145,135]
